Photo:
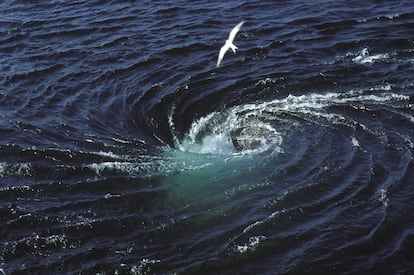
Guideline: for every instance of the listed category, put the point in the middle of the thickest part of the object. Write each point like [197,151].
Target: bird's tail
[233,47]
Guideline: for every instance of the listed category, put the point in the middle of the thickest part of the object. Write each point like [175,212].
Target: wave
[124,149]
[19,169]
[257,126]
[364,57]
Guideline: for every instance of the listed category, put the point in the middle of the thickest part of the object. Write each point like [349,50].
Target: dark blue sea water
[124,150]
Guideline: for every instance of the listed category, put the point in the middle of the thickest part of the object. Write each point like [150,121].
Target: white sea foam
[364,57]
[266,81]
[251,226]
[99,168]
[392,16]
[253,123]
[143,268]
[108,154]
[210,144]
[383,197]
[355,142]
[19,169]
[270,217]
[251,245]
[215,134]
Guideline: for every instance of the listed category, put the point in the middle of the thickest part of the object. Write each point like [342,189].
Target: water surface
[123,149]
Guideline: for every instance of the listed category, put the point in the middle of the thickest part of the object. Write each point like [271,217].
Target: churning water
[123,149]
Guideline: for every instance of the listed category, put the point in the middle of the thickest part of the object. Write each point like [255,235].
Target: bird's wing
[222,52]
[234,31]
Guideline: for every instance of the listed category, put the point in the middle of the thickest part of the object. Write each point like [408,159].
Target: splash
[248,138]
[20,169]
[237,130]
[364,57]
[259,127]
[251,245]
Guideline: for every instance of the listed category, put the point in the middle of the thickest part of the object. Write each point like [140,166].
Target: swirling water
[124,150]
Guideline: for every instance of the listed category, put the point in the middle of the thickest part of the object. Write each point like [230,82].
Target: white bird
[229,43]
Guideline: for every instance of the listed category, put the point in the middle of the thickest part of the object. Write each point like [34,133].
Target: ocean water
[124,150]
